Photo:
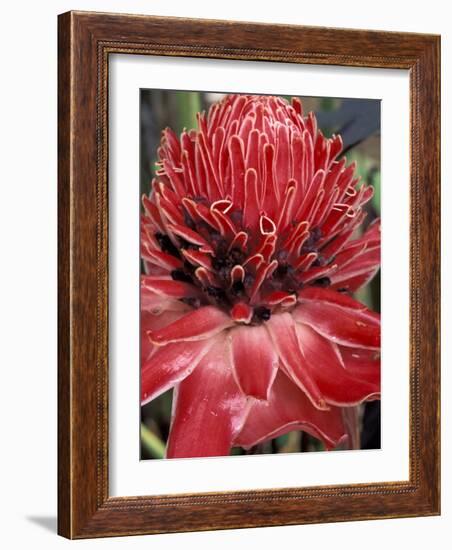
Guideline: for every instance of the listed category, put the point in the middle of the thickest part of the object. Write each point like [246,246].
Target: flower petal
[169,288]
[191,236]
[361,363]
[282,331]
[254,360]
[323,360]
[169,365]
[150,321]
[158,304]
[242,313]
[208,408]
[160,259]
[340,319]
[319,294]
[199,324]
[289,409]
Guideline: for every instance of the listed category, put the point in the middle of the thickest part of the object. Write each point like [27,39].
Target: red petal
[349,325]
[289,409]
[157,304]
[191,236]
[324,363]
[205,277]
[318,294]
[282,157]
[254,360]
[279,297]
[238,170]
[285,211]
[208,408]
[160,259]
[225,225]
[169,365]
[169,288]
[242,313]
[153,213]
[251,208]
[283,334]
[267,225]
[196,325]
[197,258]
[239,241]
[176,178]
[357,272]
[264,271]
[362,363]
[237,274]
[317,273]
[270,192]
[355,283]
[150,321]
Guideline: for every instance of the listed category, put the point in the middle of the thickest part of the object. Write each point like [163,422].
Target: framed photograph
[248,275]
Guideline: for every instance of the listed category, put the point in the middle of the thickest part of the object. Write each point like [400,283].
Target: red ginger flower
[248,240]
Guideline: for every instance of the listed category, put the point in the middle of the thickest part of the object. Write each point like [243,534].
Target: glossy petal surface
[322,359]
[254,360]
[196,325]
[289,409]
[208,409]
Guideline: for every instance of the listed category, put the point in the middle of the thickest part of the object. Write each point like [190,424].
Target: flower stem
[152,443]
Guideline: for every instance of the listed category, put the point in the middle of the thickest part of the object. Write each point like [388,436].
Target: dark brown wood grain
[85,508]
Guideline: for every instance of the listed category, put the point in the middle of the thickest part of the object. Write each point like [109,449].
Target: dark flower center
[227,292]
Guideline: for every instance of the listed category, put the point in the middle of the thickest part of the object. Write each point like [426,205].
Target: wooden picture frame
[85,42]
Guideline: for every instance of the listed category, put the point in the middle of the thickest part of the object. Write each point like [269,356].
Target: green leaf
[154,445]
[189,104]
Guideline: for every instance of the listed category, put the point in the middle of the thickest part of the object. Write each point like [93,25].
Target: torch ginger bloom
[249,244]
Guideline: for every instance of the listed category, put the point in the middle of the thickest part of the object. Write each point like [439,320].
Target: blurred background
[358,122]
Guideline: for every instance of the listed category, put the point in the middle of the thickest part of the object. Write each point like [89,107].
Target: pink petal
[208,409]
[282,331]
[200,324]
[322,359]
[348,325]
[254,360]
[289,409]
[169,365]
